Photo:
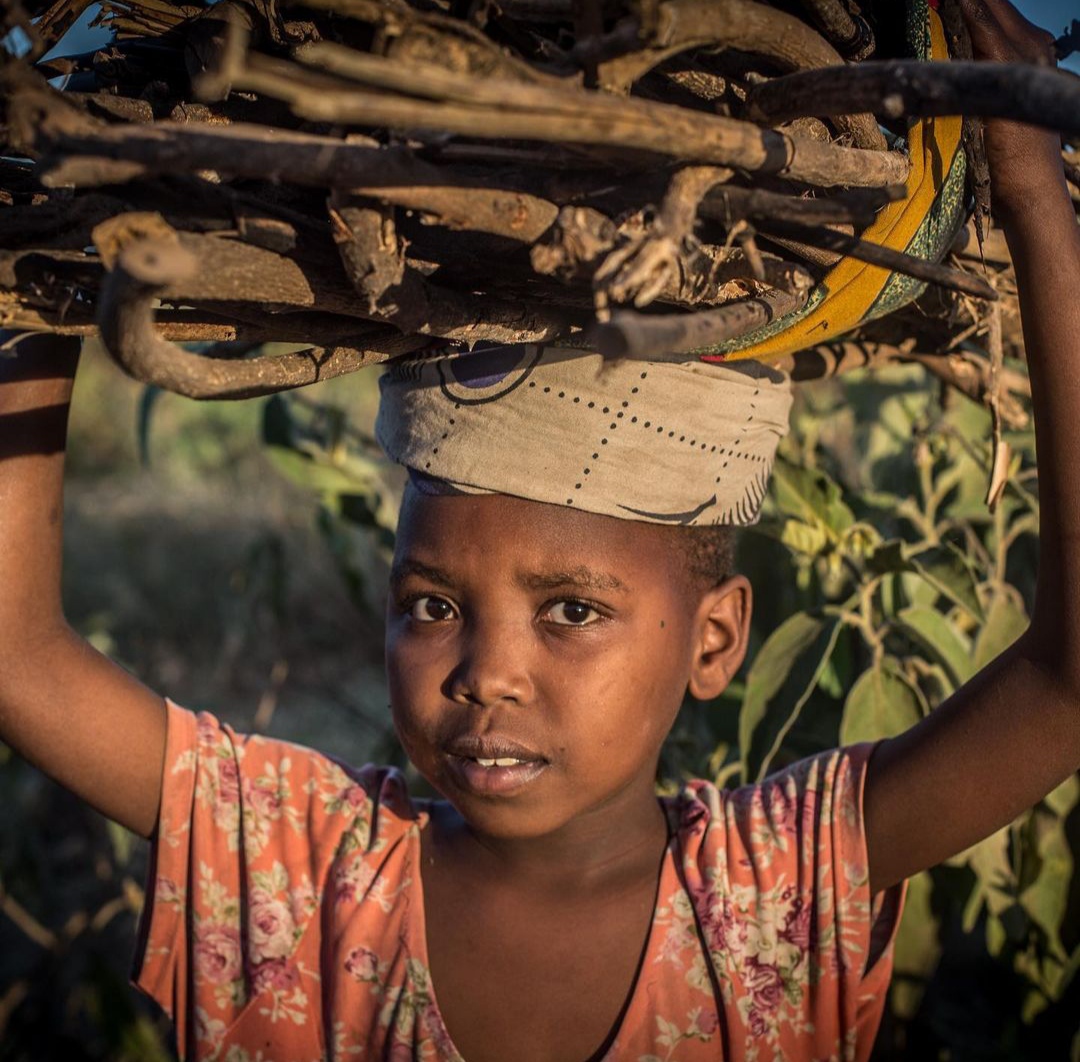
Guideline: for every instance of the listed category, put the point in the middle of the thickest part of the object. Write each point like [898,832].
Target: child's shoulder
[779,829]
[266,785]
[833,779]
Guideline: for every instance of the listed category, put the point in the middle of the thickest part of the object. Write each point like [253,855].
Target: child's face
[526,632]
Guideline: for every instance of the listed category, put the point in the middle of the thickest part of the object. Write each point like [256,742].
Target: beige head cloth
[671,443]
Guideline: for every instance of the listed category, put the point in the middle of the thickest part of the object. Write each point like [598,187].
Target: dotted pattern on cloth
[660,442]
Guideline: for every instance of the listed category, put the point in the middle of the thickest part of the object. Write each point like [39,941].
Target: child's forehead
[530,536]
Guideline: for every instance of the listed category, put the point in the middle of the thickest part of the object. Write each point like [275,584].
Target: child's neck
[603,848]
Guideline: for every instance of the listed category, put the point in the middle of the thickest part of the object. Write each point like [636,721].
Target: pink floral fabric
[285,918]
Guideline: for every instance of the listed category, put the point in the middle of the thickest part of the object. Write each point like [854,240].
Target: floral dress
[285,917]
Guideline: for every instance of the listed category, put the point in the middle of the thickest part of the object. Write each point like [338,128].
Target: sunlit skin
[574,636]
[538,899]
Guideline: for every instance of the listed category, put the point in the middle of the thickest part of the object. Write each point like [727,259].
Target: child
[537,652]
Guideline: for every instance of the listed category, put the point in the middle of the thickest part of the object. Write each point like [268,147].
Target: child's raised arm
[65,707]
[1012,733]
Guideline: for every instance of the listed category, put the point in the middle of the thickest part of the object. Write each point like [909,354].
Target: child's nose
[494,666]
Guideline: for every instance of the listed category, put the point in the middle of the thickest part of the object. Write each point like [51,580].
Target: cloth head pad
[671,443]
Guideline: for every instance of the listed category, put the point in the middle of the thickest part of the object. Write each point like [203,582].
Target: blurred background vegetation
[233,556]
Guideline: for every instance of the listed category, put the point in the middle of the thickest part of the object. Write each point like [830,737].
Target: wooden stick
[683,24]
[968,372]
[875,254]
[116,154]
[58,19]
[1020,91]
[730,203]
[746,25]
[658,337]
[849,33]
[126,318]
[455,41]
[181,326]
[509,110]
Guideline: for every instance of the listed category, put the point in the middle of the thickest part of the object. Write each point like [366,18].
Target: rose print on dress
[758,949]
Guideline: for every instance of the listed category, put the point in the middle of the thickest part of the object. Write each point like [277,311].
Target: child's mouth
[494,777]
[492,766]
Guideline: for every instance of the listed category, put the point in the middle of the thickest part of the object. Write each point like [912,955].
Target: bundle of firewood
[380,176]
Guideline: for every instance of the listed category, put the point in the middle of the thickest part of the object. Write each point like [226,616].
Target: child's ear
[721,629]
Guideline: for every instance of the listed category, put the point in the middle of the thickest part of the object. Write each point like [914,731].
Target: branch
[394,175]
[144,270]
[582,240]
[391,290]
[730,203]
[849,33]
[875,254]
[657,337]
[967,372]
[745,25]
[500,109]
[57,20]
[409,34]
[663,254]
[1020,91]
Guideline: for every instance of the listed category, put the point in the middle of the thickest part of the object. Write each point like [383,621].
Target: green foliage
[882,583]
[359,491]
[907,585]
[893,585]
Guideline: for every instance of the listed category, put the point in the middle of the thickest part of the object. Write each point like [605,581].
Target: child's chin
[507,820]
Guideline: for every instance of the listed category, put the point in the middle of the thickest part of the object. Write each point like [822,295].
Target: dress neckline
[415,934]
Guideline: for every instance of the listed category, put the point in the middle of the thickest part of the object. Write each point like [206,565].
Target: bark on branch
[1026,93]
[144,270]
[875,254]
[425,97]
[662,337]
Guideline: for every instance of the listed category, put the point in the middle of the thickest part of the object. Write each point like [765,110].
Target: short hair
[708,553]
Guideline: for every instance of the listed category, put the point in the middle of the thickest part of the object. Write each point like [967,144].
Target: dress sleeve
[248,833]
[801,950]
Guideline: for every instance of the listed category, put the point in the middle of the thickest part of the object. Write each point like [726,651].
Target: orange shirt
[285,918]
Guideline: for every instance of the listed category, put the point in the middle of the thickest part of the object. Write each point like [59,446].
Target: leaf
[947,570]
[1006,620]
[810,496]
[917,947]
[784,674]
[916,589]
[860,540]
[799,537]
[888,558]
[943,567]
[314,475]
[995,882]
[147,401]
[1046,899]
[932,631]
[277,422]
[881,704]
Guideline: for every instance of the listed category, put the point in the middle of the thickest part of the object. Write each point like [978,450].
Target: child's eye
[431,609]
[573,613]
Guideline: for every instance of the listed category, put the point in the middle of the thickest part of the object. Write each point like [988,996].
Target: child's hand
[1020,156]
[1012,733]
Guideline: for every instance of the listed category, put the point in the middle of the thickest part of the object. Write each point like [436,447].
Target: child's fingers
[1000,33]
[1022,158]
